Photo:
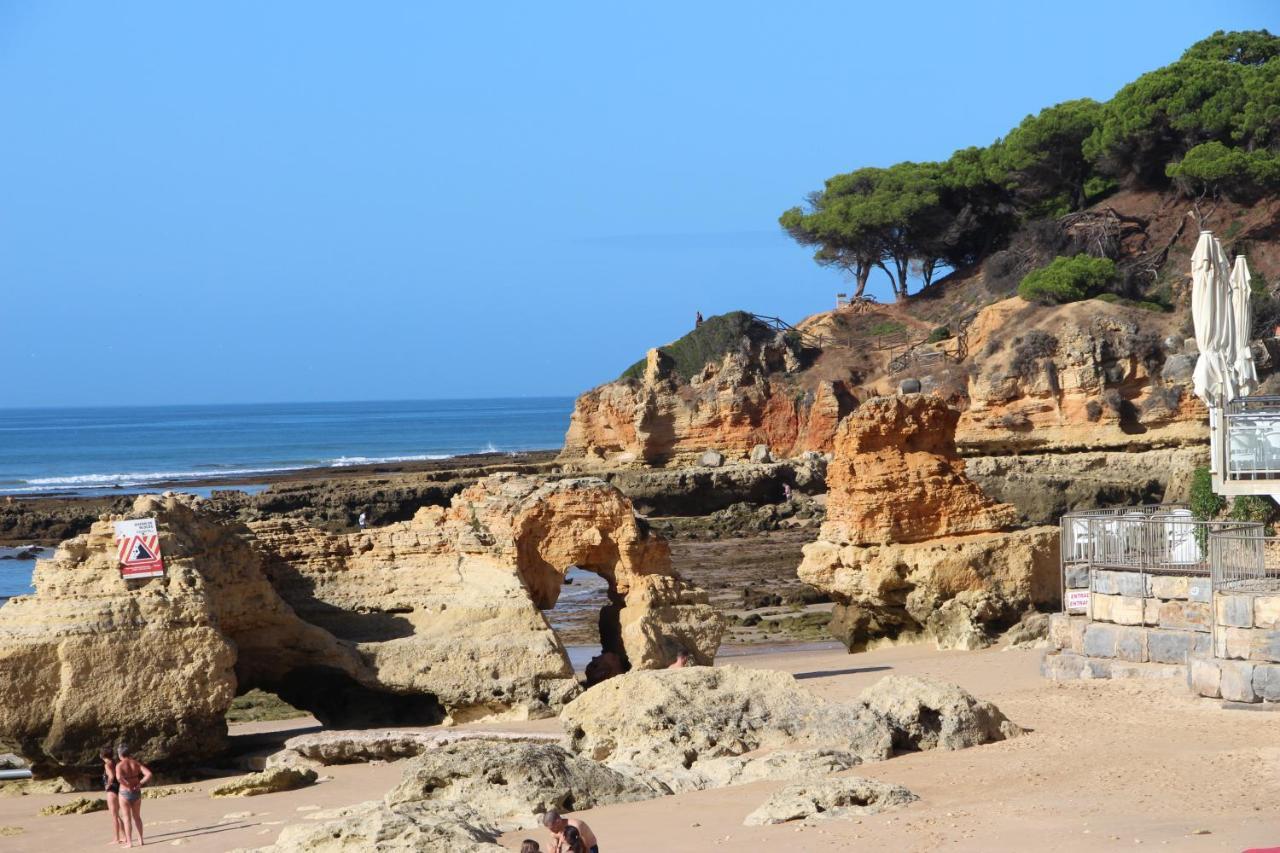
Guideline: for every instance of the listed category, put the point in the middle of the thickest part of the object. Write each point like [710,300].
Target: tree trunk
[861,274]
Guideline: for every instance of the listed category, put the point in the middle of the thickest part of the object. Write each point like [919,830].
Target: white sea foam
[347,461]
[140,478]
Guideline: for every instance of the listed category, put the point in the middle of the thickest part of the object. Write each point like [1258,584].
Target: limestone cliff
[417,622]
[1091,399]
[746,396]
[911,545]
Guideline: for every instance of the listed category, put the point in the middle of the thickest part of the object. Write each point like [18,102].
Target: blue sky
[246,201]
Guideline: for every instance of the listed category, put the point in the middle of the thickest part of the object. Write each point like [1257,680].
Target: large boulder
[512,784]
[375,826]
[926,714]
[906,533]
[681,717]
[270,781]
[354,747]
[830,799]
[462,796]
[93,658]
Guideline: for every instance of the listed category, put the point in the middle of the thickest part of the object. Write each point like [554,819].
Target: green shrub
[1067,280]
[1252,508]
[1205,503]
[887,327]
[941,333]
[710,341]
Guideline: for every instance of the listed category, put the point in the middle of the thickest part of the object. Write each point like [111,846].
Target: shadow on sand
[828,673]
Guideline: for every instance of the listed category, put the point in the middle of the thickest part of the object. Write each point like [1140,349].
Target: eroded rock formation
[736,402]
[907,533]
[431,619]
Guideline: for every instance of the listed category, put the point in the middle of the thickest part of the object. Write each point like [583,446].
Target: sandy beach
[1104,765]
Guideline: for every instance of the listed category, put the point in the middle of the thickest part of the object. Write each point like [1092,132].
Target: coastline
[47,518]
[299,475]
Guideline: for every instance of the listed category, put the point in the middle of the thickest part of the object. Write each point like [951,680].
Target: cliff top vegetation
[1206,128]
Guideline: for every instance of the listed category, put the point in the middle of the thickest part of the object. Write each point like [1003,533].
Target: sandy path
[1106,766]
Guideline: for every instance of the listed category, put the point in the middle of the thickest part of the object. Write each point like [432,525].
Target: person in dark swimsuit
[111,785]
[133,774]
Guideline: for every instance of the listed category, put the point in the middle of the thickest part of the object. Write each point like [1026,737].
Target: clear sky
[273,201]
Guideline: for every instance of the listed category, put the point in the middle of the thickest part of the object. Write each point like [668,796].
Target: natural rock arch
[434,618]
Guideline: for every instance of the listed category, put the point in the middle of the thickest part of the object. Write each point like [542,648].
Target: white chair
[1245,448]
[1180,530]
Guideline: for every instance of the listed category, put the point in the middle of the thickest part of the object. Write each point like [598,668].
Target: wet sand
[1106,766]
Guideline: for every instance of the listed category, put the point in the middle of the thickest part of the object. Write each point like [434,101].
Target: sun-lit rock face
[92,658]
[1084,376]
[911,546]
[743,400]
[463,585]
[431,619]
[895,477]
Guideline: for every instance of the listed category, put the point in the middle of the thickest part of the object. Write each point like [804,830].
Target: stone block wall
[1245,663]
[1137,625]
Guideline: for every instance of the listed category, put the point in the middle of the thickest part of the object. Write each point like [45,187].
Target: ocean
[85,451]
[92,450]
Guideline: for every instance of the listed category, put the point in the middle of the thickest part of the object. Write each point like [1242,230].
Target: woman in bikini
[112,786]
[132,775]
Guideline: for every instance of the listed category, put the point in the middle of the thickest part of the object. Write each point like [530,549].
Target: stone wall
[1226,645]
[1133,618]
[1245,663]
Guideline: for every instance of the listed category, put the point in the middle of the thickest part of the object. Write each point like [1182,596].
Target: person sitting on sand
[529,846]
[111,785]
[133,774]
[681,661]
[559,827]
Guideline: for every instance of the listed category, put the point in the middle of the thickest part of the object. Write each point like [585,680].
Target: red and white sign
[138,545]
[1077,600]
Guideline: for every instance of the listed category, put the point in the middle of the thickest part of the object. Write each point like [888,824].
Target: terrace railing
[1252,432]
[1244,559]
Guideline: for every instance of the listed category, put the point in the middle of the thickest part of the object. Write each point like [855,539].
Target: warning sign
[138,544]
[1077,600]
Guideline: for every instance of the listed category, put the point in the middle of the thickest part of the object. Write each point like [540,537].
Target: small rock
[80,805]
[267,782]
[827,799]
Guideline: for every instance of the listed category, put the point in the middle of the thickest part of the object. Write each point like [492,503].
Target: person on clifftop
[559,826]
[133,774]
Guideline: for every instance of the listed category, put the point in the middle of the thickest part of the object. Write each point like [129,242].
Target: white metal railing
[1252,433]
[1244,559]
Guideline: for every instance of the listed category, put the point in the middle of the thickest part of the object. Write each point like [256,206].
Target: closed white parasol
[1213,379]
[1246,374]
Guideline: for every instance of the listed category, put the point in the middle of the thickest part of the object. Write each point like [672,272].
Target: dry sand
[1106,766]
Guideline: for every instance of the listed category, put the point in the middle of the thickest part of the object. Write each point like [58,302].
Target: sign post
[138,544]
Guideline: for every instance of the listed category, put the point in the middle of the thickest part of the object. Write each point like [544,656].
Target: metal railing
[1086,533]
[1128,538]
[1244,559]
[1252,427]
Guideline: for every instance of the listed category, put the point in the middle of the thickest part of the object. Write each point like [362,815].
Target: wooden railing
[907,349]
